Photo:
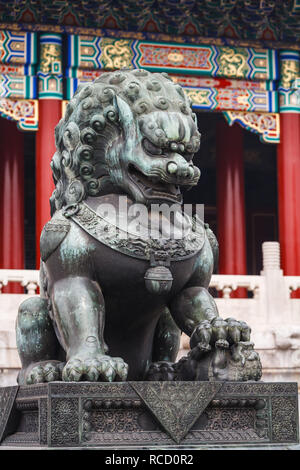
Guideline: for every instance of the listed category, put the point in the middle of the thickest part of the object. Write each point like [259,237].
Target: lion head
[129,132]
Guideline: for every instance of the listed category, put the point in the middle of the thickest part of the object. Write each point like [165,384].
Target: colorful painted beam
[87,75]
[93,52]
[15,86]
[24,112]
[50,71]
[212,82]
[222,99]
[211,98]
[266,125]
[289,90]
[18,58]
[18,47]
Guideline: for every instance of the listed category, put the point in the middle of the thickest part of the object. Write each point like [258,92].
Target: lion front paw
[100,368]
[47,371]
[220,332]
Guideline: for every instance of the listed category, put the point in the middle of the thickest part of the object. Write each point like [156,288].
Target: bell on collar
[158,280]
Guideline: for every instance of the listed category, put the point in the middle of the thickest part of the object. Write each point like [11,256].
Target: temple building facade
[239,62]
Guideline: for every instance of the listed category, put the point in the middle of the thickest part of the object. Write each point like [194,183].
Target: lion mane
[96,117]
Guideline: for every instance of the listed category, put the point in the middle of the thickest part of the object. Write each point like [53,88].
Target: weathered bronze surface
[98,347]
[141,414]
[113,302]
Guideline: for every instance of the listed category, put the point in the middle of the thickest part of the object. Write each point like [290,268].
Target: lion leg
[189,309]
[165,348]
[37,344]
[79,312]
[166,338]
[192,306]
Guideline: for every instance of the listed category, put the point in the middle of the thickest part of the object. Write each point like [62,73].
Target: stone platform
[149,415]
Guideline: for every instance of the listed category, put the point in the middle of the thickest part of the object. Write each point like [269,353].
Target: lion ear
[125,113]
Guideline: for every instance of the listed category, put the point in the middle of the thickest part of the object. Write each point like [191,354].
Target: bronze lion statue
[114,302]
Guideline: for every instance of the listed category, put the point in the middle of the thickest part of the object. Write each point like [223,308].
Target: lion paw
[100,368]
[48,371]
[160,371]
[220,333]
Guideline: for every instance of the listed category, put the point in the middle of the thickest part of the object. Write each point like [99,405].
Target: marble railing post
[276,294]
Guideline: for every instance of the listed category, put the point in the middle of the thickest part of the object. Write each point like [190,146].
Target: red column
[231,201]
[12,200]
[288,168]
[49,116]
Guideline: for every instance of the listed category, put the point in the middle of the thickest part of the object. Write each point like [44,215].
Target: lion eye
[151,148]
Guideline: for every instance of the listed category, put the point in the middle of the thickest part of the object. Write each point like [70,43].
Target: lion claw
[100,368]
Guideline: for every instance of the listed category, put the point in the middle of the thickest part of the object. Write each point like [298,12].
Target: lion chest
[79,254]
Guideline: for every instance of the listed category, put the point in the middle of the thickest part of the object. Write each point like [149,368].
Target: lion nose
[172,168]
[181,171]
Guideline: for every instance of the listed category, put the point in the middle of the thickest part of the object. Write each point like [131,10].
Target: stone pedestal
[148,414]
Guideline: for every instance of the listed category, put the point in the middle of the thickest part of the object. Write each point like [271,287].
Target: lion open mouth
[153,187]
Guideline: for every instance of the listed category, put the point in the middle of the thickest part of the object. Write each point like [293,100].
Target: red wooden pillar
[288,169]
[49,116]
[11,200]
[231,201]
[50,100]
[288,165]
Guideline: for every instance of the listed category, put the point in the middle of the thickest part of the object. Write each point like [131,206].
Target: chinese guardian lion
[112,307]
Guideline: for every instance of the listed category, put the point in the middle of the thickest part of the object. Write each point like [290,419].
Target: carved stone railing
[292,283]
[227,283]
[27,278]
[224,283]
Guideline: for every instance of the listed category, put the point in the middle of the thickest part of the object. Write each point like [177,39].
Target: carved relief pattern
[231,419]
[64,421]
[190,412]
[284,419]
[7,397]
[33,391]
[119,421]
[118,390]
[177,406]
[259,388]
[43,420]
[119,240]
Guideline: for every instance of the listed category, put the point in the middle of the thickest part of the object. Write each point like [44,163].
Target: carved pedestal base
[148,414]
